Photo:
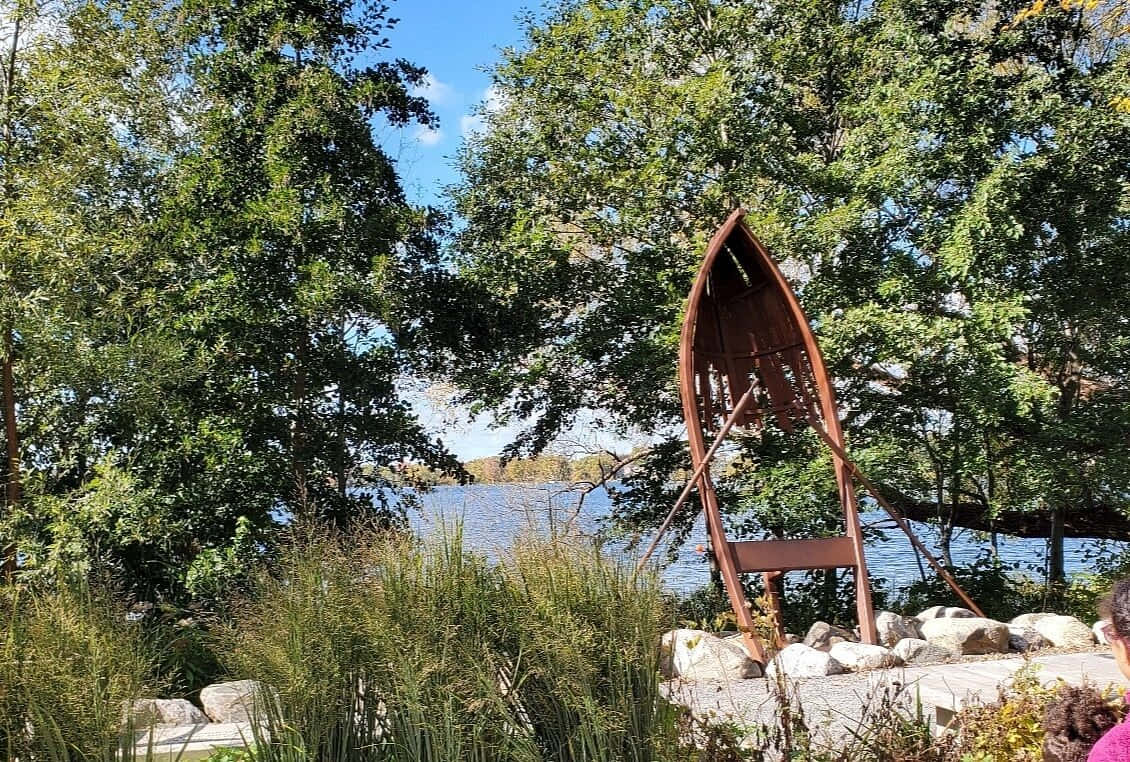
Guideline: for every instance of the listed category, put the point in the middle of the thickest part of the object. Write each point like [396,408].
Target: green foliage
[69,663]
[1012,728]
[429,653]
[945,189]
[1002,591]
[231,755]
[208,268]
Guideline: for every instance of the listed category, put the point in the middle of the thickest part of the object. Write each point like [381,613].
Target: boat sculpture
[747,355]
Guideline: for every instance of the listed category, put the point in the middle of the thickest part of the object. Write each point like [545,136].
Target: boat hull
[748,358]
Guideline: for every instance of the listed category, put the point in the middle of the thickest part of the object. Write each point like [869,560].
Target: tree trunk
[11,433]
[11,436]
[298,430]
[342,438]
[945,531]
[1056,572]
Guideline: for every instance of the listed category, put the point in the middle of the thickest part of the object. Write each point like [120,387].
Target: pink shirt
[1114,746]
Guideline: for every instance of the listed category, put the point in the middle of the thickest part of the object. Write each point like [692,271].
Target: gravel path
[834,706]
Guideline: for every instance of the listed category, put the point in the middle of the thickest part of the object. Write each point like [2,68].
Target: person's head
[1115,609]
[1075,720]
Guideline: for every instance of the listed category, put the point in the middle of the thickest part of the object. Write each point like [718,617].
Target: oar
[739,408]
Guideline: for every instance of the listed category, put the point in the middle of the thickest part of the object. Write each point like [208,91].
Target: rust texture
[747,356]
[745,329]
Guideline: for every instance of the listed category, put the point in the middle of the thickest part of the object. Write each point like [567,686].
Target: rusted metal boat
[747,357]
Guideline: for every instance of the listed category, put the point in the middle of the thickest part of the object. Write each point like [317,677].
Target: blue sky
[455,41]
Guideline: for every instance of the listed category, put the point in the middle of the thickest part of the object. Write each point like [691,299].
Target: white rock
[918,651]
[857,657]
[701,655]
[231,702]
[790,638]
[966,635]
[1065,632]
[1025,639]
[945,612]
[1029,620]
[145,713]
[798,661]
[1100,636]
[823,636]
[893,627]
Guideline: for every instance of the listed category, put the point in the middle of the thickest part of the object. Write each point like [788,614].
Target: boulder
[231,702]
[145,713]
[1100,636]
[893,627]
[857,657]
[945,612]
[701,655]
[823,636]
[918,651]
[967,635]
[1029,620]
[799,661]
[1025,639]
[1065,632]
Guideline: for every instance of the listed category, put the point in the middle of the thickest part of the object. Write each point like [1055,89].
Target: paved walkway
[189,743]
[832,705]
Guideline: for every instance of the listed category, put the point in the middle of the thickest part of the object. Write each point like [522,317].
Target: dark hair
[1075,720]
[1116,608]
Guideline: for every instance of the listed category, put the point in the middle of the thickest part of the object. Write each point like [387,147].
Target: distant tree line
[542,469]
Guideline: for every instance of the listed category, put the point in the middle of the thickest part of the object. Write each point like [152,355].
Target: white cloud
[435,91]
[471,124]
[493,101]
[427,136]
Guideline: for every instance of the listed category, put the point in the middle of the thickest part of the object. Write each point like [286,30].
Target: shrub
[1012,729]
[383,649]
[69,664]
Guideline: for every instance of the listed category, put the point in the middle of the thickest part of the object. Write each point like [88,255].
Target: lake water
[493,516]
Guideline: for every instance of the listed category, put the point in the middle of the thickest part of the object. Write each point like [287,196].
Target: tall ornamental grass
[379,648]
[69,664]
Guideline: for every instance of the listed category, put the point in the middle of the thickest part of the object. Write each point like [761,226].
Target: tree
[82,125]
[208,336]
[919,169]
[297,255]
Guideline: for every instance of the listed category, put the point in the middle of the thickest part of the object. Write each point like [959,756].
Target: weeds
[69,664]
[382,649]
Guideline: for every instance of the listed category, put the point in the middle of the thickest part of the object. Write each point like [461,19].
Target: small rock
[857,657]
[1025,639]
[823,636]
[231,702]
[1029,620]
[798,661]
[790,638]
[701,655]
[893,627]
[966,635]
[145,713]
[945,612]
[918,651]
[1100,636]
[1065,632]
